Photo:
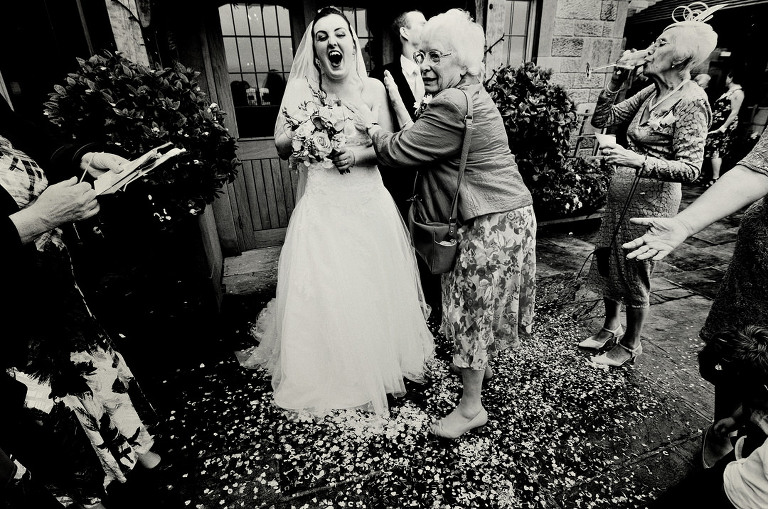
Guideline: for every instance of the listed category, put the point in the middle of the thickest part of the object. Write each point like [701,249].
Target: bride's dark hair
[322,13]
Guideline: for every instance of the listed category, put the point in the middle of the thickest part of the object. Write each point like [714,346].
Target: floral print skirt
[489,295]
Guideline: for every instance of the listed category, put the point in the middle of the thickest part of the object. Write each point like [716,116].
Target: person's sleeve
[757,159]
[607,114]
[436,134]
[687,145]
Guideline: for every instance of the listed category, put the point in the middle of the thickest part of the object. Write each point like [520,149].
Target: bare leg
[635,321]
[469,409]
[612,321]
[717,162]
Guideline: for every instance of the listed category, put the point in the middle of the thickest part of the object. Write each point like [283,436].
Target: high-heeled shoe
[481,419]
[594,344]
[604,360]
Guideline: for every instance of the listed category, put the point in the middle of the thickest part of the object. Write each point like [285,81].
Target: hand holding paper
[129,171]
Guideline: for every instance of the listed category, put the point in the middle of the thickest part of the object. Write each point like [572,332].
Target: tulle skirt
[348,321]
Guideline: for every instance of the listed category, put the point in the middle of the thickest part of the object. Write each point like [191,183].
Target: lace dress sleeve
[757,159]
[684,164]
[607,114]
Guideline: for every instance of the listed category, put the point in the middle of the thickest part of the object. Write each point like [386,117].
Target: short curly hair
[465,37]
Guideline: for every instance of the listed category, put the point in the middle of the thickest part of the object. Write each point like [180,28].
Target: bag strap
[632,190]
[453,223]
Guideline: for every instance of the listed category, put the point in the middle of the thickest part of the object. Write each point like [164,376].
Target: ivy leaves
[539,118]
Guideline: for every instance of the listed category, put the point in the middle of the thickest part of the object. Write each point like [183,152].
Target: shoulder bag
[435,242]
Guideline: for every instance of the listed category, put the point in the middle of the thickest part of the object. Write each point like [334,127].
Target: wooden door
[265,195]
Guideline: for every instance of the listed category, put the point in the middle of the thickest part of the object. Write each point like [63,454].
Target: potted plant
[539,118]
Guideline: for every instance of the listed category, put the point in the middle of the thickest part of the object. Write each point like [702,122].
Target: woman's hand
[401,112]
[616,154]
[368,115]
[664,234]
[724,426]
[98,163]
[759,417]
[392,91]
[344,159]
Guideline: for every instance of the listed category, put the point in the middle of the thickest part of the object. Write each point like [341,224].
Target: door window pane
[225,15]
[283,21]
[233,60]
[255,20]
[246,54]
[270,20]
[241,19]
[259,51]
[519,18]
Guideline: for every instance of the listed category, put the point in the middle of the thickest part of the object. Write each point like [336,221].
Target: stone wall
[574,33]
[126,28]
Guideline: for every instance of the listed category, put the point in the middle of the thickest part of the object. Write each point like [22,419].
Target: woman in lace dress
[666,128]
[349,320]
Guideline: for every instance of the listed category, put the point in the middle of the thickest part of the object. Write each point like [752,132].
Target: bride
[349,320]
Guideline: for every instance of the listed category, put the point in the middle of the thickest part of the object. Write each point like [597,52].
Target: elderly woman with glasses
[488,296]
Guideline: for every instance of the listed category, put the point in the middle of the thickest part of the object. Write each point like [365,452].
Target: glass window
[240,15]
[246,54]
[519,29]
[358,18]
[283,21]
[270,20]
[519,18]
[273,54]
[255,20]
[227,25]
[233,59]
[259,51]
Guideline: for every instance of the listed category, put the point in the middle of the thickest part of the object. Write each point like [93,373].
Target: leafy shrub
[578,187]
[539,118]
[115,101]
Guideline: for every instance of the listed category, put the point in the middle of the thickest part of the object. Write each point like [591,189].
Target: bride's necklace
[664,97]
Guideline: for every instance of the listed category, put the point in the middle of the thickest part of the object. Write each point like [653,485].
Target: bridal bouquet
[317,129]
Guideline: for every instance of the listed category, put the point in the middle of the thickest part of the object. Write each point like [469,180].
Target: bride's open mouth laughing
[335,58]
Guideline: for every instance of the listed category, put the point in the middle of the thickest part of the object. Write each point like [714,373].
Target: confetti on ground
[557,436]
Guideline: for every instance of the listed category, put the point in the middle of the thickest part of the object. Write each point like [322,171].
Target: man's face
[416,22]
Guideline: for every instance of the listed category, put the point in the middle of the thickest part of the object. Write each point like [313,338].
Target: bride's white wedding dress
[348,321]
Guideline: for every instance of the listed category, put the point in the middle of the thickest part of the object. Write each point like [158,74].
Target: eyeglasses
[433,54]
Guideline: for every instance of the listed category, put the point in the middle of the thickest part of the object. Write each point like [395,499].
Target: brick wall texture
[584,31]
